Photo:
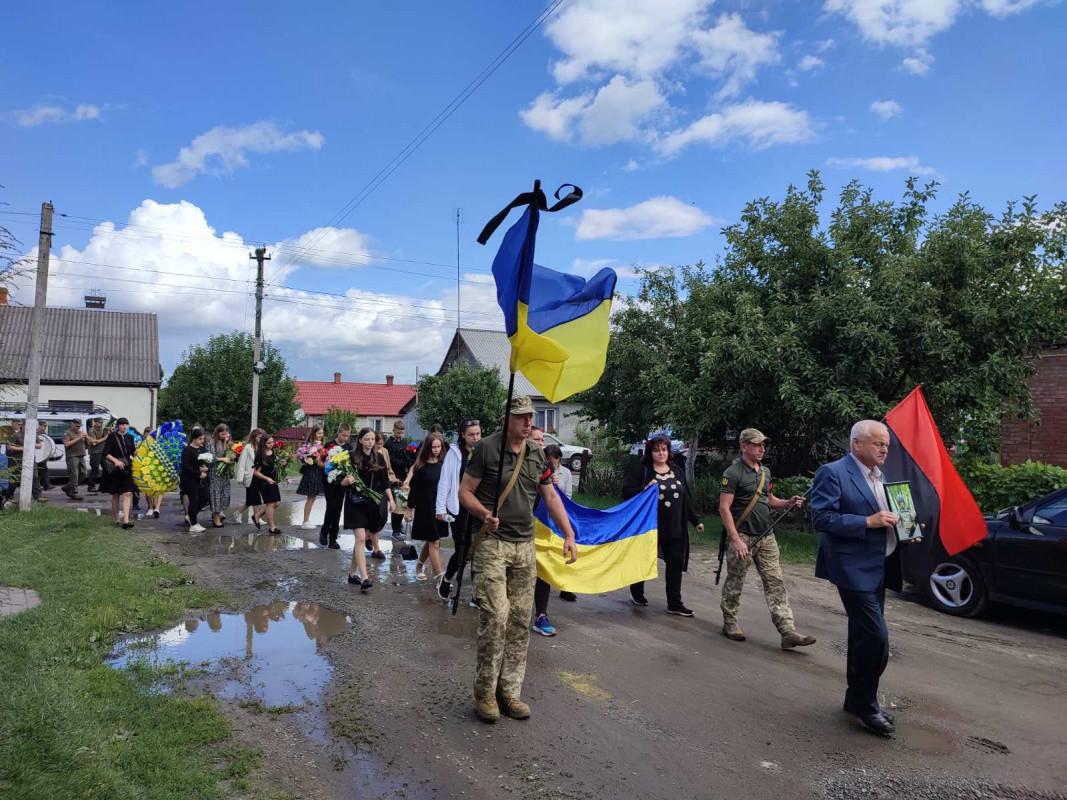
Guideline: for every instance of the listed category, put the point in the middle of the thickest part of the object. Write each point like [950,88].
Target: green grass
[70,726]
[796,545]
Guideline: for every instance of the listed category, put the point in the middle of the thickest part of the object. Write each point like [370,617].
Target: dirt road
[630,702]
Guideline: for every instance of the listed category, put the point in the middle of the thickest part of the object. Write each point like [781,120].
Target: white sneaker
[197,528]
[237,519]
[308,526]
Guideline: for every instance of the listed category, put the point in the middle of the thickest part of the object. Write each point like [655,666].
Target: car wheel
[955,586]
[576,463]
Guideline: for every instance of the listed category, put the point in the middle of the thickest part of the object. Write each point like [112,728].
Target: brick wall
[1045,441]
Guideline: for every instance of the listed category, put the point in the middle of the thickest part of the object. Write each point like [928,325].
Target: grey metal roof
[83,346]
[492,349]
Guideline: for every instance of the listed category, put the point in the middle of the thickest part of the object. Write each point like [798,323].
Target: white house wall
[136,403]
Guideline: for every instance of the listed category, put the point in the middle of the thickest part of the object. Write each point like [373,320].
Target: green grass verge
[70,726]
[796,545]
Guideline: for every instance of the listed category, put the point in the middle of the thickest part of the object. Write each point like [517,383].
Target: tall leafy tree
[462,392]
[335,416]
[801,327]
[213,383]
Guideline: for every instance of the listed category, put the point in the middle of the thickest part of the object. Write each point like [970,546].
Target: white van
[57,415]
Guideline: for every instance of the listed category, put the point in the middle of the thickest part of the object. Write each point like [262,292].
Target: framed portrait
[901,503]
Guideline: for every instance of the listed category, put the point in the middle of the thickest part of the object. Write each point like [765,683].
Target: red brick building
[1046,439]
[377,405]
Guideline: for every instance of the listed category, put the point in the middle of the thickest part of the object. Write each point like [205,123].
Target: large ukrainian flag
[616,547]
[557,323]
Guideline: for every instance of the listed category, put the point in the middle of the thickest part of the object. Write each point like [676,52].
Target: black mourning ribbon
[535,198]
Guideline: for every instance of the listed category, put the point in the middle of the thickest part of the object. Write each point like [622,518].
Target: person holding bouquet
[193,478]
[312,476]
[366,482]
[219,475]
[245,465]
[422,500]
[265,481]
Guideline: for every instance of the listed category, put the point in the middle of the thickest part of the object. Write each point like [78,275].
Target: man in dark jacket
[858,554]
[400,461]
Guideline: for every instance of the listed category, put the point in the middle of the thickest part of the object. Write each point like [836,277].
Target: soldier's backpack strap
[514,476]
[755,498]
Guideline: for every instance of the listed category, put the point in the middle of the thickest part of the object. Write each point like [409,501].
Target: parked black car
[1023,563]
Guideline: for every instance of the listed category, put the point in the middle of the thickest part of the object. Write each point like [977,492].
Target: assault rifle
[756,541]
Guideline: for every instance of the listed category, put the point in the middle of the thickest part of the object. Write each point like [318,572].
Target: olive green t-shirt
[741,481]
[516,514]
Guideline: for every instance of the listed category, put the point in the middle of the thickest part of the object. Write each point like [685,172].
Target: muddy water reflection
[393,569]
[276,650]
[252,542]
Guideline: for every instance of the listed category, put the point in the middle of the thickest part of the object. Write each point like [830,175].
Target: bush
[603,480]
[995,487]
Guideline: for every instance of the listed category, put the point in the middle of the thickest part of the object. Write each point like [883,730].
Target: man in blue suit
[858,554]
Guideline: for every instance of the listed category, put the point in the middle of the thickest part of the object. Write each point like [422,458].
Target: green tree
[462,392]
[333,419]
[801,327]
[213,383]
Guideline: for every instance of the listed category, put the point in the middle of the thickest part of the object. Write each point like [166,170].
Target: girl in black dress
[675,509]
[312,478]
[118,480]
[362,514]
[193,480]
[422,502]
[265,481]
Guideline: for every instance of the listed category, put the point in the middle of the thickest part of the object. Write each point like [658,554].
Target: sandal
[420,570]
[255,521]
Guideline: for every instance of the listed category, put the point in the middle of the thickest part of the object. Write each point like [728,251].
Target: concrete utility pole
[33,364]
[258,367]
[458,296]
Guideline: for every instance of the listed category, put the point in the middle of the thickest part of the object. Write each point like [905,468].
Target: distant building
[376,405]
[483,348]
[1044,439]
[108,358]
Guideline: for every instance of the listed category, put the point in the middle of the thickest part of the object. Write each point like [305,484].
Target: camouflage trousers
[504,586]
[770,571]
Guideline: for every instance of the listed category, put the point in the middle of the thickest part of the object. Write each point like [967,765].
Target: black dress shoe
[570,597]
[334,546]
[323,541]
[877,723]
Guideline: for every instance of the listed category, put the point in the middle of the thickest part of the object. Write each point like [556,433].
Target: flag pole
[466,543]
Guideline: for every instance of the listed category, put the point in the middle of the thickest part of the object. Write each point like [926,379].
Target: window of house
[545,418]
[378,424]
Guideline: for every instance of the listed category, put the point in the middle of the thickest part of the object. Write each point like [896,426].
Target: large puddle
[271,653]
[240,542]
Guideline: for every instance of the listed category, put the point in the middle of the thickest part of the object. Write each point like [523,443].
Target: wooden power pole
[258,367]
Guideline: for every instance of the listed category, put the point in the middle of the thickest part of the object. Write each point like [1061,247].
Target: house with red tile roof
[376,405]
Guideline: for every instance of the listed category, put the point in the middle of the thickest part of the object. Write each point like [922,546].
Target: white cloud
[329,247]
[809,63]
[656,218]
[886,109]
[615,113]
[639,38]
[913,23]
[55,114]
[824,45]
[587,268]
[918,64]
[733,52]
[140,158]
[883,164]
[199,281]
[221,150]
[755,123]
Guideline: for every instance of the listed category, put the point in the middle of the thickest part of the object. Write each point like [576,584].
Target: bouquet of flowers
[308,454]
[205,458]
[224,470]
[283,458]
[339,466]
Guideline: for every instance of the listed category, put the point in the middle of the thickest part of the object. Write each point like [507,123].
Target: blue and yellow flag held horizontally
[557,323]
[616,546]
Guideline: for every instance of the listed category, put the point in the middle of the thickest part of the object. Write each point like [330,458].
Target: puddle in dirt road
[926,740]
[204,544]
[393,569]
[272,653]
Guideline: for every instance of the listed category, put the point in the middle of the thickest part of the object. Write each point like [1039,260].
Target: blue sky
[210,128]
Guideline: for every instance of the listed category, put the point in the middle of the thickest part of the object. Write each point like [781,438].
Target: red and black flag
[917,455]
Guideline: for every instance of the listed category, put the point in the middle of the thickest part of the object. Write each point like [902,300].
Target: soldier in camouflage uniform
[745,503]
[505,558]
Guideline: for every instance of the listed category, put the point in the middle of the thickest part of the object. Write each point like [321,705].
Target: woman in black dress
[362,514]
[117,480]
[312,478]
[192,482]
[674,510]
[422,502]
[265,481]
